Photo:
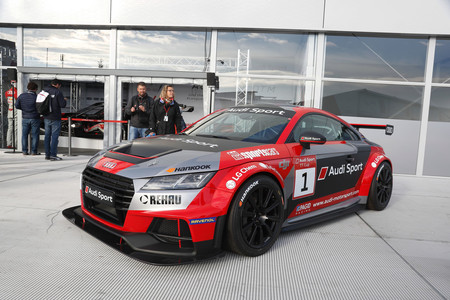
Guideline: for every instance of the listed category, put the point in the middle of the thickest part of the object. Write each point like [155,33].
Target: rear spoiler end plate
[388,129]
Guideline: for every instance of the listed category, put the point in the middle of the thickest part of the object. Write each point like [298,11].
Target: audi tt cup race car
[233,180]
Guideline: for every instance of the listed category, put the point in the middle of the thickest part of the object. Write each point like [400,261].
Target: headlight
[179,182]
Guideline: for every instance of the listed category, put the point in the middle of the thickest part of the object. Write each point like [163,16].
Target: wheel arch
[373,162]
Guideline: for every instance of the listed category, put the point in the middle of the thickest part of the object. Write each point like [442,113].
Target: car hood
[172,154]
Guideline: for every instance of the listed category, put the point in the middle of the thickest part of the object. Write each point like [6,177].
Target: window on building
[379,58]
[163,50]
[437,160]
[8,50]
[262,91]
[66,48]
[266,53]
[373,100]
[441,68]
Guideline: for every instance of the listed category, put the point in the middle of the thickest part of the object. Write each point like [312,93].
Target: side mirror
[311,137]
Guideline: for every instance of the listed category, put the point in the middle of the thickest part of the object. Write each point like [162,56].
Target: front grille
[171,232]
[122,188]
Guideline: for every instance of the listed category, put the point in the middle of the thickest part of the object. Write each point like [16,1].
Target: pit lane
[402,252]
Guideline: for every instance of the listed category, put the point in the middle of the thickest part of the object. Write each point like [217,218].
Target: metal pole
[2,132]
[14,118]
[29,141]
[69,120]
[128,130]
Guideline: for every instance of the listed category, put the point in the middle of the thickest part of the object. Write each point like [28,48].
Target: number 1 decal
[304,182]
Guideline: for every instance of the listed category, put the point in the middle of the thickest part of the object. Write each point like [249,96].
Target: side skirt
[323,217]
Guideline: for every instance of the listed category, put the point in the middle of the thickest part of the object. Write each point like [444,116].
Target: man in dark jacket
[30,118]
[139,108]
[53,120]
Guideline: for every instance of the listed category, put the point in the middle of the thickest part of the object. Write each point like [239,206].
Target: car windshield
[248,125]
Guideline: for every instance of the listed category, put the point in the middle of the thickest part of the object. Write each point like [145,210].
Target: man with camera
[139,108]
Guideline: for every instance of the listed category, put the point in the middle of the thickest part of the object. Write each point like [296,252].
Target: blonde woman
[165,117]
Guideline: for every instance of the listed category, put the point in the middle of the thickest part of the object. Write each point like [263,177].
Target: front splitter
[140,246]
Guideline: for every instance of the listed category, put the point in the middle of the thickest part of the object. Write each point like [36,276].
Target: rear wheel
[381,188]
[255,218]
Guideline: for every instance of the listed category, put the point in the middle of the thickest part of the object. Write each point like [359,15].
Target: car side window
[332,129]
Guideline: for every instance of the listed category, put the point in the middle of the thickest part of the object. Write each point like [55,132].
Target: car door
[327,172]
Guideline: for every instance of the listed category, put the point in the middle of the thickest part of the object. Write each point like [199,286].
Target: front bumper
[144,246]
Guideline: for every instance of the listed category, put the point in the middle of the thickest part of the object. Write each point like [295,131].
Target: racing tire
[255,217]
[381,187]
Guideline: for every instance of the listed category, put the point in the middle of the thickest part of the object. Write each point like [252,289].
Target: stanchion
[69,120]
[128,130]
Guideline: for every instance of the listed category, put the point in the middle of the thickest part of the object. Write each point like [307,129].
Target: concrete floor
[402,252]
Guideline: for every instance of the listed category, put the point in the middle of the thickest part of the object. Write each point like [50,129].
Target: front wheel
[255,218]
[381,188]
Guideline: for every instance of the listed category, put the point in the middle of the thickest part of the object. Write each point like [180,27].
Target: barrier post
[128,130]
[69,120]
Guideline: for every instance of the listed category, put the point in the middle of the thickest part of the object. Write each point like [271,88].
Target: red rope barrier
[94,120]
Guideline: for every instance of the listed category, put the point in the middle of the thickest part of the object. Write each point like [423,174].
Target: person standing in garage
[30,118]
[52,120]
[139,108]
[166,115]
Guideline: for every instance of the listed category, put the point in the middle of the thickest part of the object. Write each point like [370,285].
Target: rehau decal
[160,199]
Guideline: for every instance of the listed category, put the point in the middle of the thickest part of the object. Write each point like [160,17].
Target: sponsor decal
[258,111]
[109,165]
[248,190]
[303,208]
[160,199]
[189,168]
[343,169]
[310,139]
[231,184]
[323,202]
[97,193]
[374,164]
[189,141]
[323,173]
[305,162]
[284,164]
[333,199]
[253,153]
[202,221]
[242,171]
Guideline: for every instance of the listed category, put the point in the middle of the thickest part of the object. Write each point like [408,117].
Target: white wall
[388,16]
[61,12]
[383,16]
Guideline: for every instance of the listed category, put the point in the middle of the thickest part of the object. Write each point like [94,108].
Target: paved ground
[402,252]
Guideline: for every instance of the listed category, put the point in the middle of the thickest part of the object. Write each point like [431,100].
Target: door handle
[350,158]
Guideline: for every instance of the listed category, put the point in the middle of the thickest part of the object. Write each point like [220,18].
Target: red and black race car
[233,180]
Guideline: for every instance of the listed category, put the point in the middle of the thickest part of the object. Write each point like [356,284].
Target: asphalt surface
[402,252]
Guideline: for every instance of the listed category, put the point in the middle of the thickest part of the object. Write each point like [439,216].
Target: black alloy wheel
[381,187]
[256,216]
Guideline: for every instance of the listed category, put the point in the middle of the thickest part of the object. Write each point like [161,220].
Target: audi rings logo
[109,165]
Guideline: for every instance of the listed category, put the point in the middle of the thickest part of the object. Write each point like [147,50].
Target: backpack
[43,103]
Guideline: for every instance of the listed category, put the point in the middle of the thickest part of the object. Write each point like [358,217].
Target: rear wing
[388,129]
